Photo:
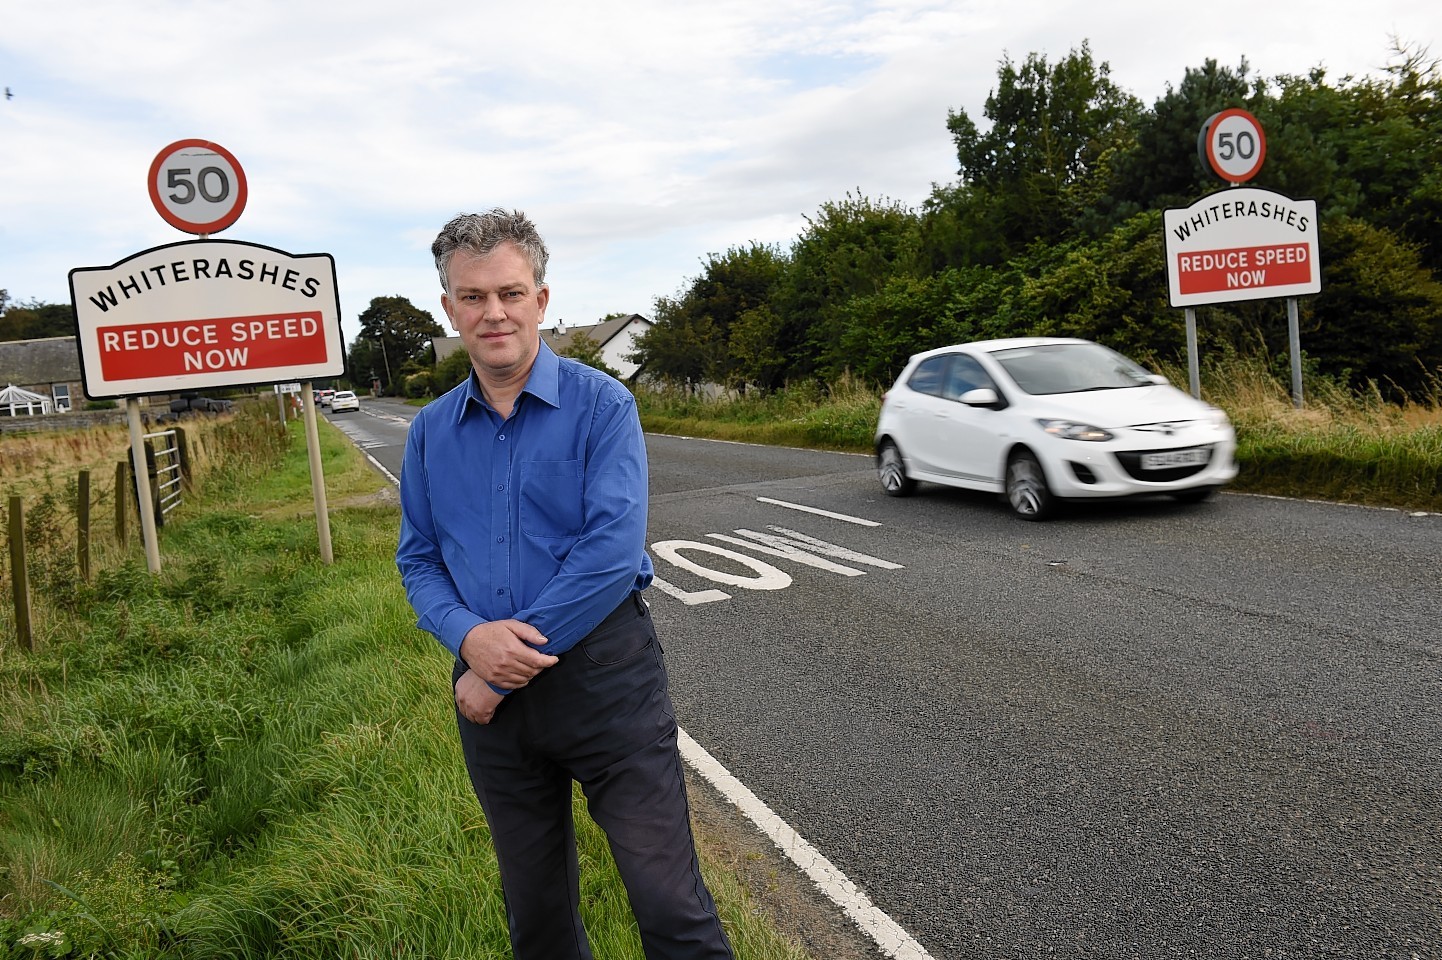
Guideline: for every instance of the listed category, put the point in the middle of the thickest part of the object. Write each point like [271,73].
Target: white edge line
[887,934]
[379,466]
[819,512]
[884,931]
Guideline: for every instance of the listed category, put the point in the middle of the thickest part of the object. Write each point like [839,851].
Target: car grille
[1131,462]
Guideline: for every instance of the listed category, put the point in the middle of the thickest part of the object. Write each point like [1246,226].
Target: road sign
[206,313]
[197,186]
[1232,144]
[1241,244]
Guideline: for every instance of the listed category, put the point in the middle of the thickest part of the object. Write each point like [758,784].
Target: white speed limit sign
[1233,145]
[197,186]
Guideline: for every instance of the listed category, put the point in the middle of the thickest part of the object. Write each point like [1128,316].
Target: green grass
[253,754]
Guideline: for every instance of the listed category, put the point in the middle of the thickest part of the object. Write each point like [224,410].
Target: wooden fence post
[82,524]
[19,574]
[120,480]
[183,450]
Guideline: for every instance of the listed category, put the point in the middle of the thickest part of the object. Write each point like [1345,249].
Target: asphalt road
[1139,730]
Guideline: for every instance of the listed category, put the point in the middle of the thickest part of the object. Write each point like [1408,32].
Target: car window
[966,374]
[928,377]
[1069,368]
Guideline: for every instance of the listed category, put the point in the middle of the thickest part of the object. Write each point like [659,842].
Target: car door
[965,440]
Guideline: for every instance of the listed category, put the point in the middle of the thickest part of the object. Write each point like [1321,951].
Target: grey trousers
[602,716]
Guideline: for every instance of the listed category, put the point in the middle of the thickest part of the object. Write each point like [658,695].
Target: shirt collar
[542,382]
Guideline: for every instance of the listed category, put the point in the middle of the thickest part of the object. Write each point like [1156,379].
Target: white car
[1047,418]
[344,400]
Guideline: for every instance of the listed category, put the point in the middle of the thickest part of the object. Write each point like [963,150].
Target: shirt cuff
[454,627]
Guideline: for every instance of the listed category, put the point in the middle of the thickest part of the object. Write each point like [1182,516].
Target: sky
[639,137]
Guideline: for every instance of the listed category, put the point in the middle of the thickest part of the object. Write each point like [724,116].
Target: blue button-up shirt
[540,517]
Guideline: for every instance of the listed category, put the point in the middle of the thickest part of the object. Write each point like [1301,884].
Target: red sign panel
[185,347]
[1244,268]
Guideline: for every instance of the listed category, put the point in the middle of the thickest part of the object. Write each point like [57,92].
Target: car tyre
[891,470]
[1026,489]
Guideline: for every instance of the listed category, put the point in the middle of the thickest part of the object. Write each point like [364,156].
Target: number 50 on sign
[1232,145]
[197,186]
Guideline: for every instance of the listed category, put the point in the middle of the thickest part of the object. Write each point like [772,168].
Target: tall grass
[1341,444]
[253,754]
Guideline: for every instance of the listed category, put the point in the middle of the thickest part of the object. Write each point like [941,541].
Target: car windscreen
[1069,368]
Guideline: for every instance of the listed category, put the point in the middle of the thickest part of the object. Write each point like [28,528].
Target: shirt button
[500,591]
[500,488]
[500,539]
[501,437]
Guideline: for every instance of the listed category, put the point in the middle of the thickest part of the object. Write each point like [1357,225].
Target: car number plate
[1175,458]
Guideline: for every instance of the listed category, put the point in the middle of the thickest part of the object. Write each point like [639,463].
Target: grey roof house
[49,367]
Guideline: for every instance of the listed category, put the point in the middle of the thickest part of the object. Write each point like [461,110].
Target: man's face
[496,308]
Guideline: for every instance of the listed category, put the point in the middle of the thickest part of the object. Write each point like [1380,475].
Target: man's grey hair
[479,234]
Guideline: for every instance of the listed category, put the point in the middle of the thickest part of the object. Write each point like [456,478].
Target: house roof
[50,360]
[602,333]
[14,394]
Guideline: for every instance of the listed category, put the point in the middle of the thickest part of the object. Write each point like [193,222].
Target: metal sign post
[317,478]
[1294,338]
[142,486]
[1194,371]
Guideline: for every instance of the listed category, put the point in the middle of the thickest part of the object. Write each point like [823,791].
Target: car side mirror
[1156,379]
[980,397]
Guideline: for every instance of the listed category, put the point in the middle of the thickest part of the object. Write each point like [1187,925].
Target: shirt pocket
[551,498]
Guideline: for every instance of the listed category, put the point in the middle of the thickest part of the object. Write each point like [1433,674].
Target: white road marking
[874,922]
[819,512]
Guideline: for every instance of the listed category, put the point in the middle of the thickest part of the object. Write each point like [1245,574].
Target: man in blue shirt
[522,550]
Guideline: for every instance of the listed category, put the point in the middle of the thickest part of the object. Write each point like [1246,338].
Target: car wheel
[1026,490]
[892,472]
[1194,495]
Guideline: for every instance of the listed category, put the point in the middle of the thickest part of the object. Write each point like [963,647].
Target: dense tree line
[33,320]
[1054,226]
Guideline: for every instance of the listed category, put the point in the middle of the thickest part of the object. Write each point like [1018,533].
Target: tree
[1160,167]
[452,370]
[1379,317]
[681,348]
[35,320]
[690,341]
[394,339]
[583,347]
[1051,128]
[851,248]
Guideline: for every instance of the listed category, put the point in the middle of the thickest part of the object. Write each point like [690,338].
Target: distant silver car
[344,400]
[1046,418]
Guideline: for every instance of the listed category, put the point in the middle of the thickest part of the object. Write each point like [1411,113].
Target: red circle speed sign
[1234,145]
[197,186]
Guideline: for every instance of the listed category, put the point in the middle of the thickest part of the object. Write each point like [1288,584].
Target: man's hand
[476,701]
[503,652]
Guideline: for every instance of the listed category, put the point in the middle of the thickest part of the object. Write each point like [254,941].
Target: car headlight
[1070,430]
[1219,417]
